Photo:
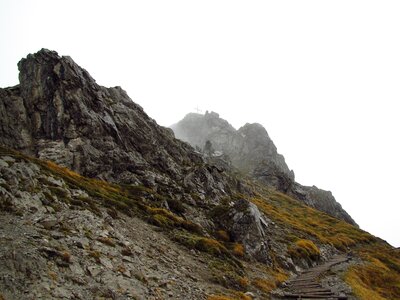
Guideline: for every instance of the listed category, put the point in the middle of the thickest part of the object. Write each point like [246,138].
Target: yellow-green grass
[237,296]
[274,279]
[201,243]
[304,249]
[310,223]
[238,250]
[379,276]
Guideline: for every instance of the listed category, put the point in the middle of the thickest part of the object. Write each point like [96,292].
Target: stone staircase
[306,285]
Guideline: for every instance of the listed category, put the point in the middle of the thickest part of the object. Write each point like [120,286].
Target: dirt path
[307,286]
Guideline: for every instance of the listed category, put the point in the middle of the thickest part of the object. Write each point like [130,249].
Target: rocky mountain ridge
[58,112]
[253,152]
[99,202]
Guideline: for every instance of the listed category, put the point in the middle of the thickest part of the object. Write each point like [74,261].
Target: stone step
[330,293]
[306,286]
[310,290]
[304,297]
[301,280]
[299,285]
[320,270]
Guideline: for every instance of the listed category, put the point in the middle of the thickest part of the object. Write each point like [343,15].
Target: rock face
[247,147]
[252,151]
[245,224]
[58,112]
[322,200]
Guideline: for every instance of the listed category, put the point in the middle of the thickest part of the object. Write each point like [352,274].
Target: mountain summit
[247,147]
[253,152]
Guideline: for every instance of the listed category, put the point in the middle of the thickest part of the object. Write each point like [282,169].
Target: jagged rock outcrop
[322,200]
[246,147]
[271,175]
[58,112]
[246,224]
[252,151]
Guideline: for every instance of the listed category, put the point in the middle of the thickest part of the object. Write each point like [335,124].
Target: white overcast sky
[323,77]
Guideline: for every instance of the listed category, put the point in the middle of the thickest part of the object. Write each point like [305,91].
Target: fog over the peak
[321,77]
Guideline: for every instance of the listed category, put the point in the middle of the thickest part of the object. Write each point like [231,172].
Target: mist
[321,77]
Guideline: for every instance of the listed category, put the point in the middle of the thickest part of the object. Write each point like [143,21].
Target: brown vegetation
[304,249]
[379,276]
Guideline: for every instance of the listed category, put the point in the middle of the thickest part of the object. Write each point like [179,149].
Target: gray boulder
[246,225]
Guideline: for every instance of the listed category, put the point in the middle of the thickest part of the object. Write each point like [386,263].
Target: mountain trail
[307,285]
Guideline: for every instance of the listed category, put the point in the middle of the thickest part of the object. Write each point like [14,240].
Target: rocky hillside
[99,202]
[252,151]
[57,242]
